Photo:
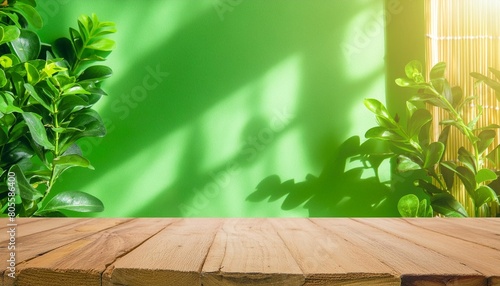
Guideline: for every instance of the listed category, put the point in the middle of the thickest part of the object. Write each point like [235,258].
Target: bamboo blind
[466,35]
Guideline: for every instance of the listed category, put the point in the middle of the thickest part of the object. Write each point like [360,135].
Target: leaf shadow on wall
[208,60]
[339,191]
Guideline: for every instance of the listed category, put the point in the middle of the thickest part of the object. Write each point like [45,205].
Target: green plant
[46,98]
[411,143]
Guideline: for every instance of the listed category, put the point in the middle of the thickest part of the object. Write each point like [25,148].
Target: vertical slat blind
[465,34]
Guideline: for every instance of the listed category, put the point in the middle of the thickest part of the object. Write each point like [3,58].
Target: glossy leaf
[37,130]
[7,105]
[468,178]
[376,107]
[408,205]
[433,154]
[382,134]
[65,162]
[424,210]
[447,205]
[31,15]
[23,187]
[428,187]
[483,195]
[448,174]
[419,118]
[8,34]
[95,73]
[405,164]
[41,100]
[72,201]
[27,46]
[484,175]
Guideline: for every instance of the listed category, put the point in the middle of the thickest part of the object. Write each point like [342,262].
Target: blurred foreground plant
[46,96]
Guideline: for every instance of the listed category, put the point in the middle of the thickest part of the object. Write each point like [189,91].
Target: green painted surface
[210,97]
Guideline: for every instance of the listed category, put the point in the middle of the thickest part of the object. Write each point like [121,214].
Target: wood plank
[24,227]
[326,258]
[174,256]
[415,264]
[250,252]
[482,259]
[77,261]
[472,230]
[31,246]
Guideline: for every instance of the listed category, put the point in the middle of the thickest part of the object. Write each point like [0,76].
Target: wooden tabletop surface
[170,251]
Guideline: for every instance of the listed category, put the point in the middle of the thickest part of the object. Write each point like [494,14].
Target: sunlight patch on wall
[248,120]
[167,16]
[364,43]
[137,188]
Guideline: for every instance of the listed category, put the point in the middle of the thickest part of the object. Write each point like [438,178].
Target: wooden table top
[294,251]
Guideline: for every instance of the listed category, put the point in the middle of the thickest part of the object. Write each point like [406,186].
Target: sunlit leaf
[72,201]
[484,175]
[408,205]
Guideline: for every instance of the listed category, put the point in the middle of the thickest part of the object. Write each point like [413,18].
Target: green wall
[210,97]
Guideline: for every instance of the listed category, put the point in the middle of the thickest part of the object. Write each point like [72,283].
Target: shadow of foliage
[349,185]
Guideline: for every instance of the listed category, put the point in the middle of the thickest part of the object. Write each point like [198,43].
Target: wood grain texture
[208,252]
[415,264]
[325,257]
[76,261]
[478,231]
[250,252]
[483,260]
[174,256]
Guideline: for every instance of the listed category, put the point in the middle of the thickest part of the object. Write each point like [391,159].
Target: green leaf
[484,175]
[31,15]
[486,137]
[419,118]
[428,187]
[408,205]
[424,210]
[65,162]
[457,95]
[447,205]
[9,34]
[413,71]
[32,73]
[102,45]
[382,133]
[448,175]
[405,164]
[64,48]
[37,130]
[72,201]
[494,155]
[433,154]
[23,187]
[377,107]
[7,105]
[437,71]
[483,195]
[95,73]
[27,46]
[468,179]
[43,101]
[404,82]
[467,158]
